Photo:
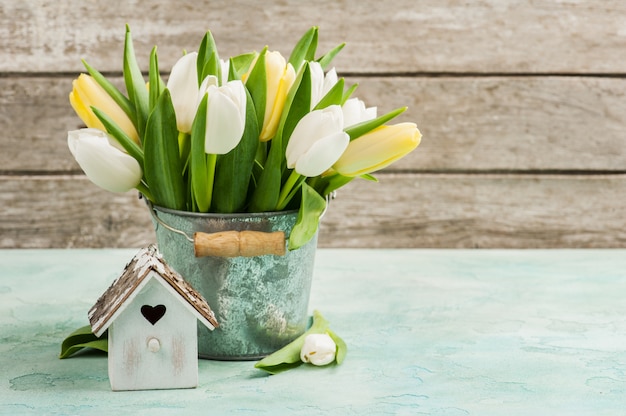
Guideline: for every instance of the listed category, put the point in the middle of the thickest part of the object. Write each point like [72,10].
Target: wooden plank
[66,211]
[492,36]
[403,210]
[468,123]
[480,211]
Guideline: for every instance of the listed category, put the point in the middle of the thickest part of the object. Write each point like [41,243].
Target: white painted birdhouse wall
[162,355]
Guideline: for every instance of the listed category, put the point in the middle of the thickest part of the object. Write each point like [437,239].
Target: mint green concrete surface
[429,332]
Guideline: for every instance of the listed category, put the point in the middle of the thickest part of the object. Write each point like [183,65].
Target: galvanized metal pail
[261,302]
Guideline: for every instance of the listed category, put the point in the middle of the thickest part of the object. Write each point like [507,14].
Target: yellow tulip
[378,149]
[87,93]
[280,76]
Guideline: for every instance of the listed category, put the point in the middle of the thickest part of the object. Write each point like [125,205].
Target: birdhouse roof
[136,274]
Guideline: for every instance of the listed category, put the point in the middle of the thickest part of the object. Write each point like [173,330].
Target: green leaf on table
[80,339]
[360,129]
[311,209]
[288,357]
[234,169]
[342,348]
[163,167]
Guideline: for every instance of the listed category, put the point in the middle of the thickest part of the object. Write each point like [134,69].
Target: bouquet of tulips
[253,133]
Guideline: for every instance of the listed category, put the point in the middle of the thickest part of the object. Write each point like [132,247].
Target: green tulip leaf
[208,62]
[305,48]
[311,209]
[117,96]
[234,169]
[135,84]
[80,339]
[265,195]
[288,357]
[348,93]
[330,55]
[126,142]
[163,167]
[213,67]
[328,184]
[240,65]
[156,83]
[369,177]
[332,97]
[257,86]
[360,129]
[199,166]
[297,105]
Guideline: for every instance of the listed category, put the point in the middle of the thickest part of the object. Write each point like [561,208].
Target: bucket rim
[217,215]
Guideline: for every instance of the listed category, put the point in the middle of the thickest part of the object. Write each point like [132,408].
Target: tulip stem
[211,161]
[141,187]
[286,192]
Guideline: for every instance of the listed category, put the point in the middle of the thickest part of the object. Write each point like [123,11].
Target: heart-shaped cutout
[153,313]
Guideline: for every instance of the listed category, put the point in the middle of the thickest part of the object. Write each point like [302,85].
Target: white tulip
[318,349]
[103,160]
[354,112]
[225,67]
[320,83]
[317,141]
[183,87]
[226,116]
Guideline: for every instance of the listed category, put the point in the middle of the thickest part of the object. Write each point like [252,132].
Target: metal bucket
[261,302]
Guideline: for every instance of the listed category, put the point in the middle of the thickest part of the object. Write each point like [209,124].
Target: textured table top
[436,332]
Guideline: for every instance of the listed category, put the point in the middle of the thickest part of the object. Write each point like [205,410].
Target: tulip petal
[183,87]
[312,127]
[322,154]
[317,83]
[225,124]
[88,93]
[378,149]
[104,164]
[354,112]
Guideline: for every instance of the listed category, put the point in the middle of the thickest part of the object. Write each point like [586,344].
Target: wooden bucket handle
[239,244]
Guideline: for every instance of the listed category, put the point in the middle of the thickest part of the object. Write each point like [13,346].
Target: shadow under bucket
[261,302]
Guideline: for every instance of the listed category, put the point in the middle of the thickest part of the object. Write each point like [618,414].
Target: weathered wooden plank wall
[522,105]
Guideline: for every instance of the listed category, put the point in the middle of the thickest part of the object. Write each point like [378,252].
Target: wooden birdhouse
[151,313]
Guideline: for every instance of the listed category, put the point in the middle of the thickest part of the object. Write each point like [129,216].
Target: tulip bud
[103,160]
[183,87]
[320,83]
[225,118]
[317,141]
[280,76]
[318,349]
[354,112]
[87,93]
[378,149]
